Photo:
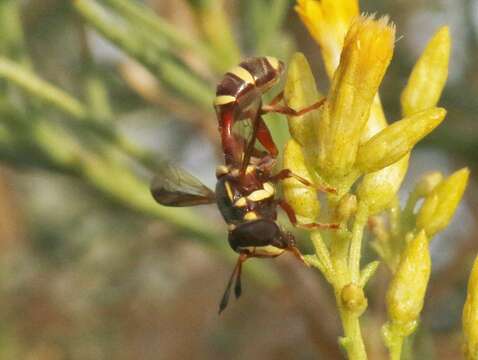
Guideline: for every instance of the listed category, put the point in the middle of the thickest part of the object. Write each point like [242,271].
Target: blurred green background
[94,95]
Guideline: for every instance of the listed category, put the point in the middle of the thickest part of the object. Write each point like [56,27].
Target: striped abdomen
[238,96]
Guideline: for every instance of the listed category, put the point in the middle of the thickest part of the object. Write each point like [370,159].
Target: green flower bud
[353,298]
[428,76]
[470,316]
[406,293]
[300,91]
[398,139]
[303,199]
[347,207]
[427,183]
[440,205]
[378,189]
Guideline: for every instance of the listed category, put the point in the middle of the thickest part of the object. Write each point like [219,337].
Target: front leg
[275,107]
[293,218]
[287,174]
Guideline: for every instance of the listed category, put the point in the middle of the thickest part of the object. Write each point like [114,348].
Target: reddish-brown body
[239,96]
[245,190]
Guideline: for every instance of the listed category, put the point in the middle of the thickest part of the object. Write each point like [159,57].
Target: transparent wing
[173,186]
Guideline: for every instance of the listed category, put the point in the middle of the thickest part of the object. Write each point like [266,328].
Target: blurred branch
[154,24]
[175,75]
[217,29]
[264,19]
[64,102]
[41,89]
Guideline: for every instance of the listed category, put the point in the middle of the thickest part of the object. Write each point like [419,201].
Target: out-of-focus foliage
[94,94]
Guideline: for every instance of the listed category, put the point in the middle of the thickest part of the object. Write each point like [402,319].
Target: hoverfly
[245,191]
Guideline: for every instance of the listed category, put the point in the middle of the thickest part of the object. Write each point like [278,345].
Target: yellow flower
[328,21]
[367,51]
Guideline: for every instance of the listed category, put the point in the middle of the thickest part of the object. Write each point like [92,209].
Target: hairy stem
[353,341]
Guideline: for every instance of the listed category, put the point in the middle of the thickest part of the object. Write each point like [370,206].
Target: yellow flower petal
[429,75]
[328,22]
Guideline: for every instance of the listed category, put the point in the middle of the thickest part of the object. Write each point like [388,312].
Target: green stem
[393,340]
[396,348]
[345,256]
[361,218]
[322,254]
[353,341]
[41,89]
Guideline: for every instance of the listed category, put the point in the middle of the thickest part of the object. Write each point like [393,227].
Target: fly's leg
[293,218]
[286,174]
[236,274]
[264,136]
[275,107]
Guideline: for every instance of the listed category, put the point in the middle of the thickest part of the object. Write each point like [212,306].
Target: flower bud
[398,139]
[470,316]
[376,121]
[347,207]
[427,183]
[406,293]
[378,189]
[353,298]
[439,206]
[300,91]
[367,52]
[328,22]
[303,199]
[428,76]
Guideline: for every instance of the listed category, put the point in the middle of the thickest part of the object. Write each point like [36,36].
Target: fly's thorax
[243,198]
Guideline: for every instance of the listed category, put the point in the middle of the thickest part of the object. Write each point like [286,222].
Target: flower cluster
[348,145]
